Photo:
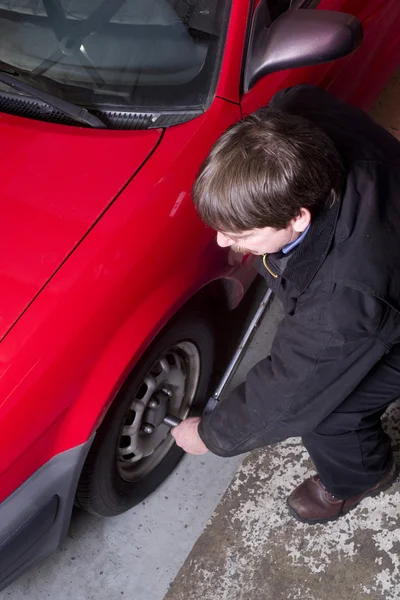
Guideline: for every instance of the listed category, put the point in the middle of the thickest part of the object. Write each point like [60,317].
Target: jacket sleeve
[315,363]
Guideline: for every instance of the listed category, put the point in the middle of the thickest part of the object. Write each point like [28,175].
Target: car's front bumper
[35,518]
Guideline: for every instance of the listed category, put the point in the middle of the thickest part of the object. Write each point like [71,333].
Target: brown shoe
[311,502]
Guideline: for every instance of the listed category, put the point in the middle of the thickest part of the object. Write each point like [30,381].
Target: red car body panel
[50,197]
[147,255]
[358,78]
[108,285]
[229,82]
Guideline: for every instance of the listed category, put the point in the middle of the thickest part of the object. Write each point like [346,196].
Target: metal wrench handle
[172,421]
[212,402]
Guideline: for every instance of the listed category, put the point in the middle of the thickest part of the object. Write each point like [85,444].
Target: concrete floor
[387,109]
[137,554]
[254,550]
[250,548]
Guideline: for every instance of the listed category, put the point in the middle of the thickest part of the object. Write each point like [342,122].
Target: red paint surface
[55,182]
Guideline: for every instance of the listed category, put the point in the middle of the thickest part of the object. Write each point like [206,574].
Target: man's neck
[286,249]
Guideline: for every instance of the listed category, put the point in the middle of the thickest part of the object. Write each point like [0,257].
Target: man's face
[266,240]
[256,241]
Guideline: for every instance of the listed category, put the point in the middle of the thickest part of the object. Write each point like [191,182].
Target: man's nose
[223,240]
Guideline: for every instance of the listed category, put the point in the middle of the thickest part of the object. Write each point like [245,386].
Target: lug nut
[168,392]
[154,404]
[148,429]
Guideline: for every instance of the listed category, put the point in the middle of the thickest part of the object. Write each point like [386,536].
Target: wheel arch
[120,356]
[225,293]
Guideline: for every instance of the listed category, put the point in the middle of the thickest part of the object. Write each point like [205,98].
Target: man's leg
[350,450]
[350,462]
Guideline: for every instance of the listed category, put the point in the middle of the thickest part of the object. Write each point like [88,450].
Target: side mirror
[298,38]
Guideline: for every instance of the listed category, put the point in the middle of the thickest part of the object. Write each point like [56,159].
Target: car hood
[56,181]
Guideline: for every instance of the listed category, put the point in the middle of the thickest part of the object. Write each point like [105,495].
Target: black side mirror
[298,38]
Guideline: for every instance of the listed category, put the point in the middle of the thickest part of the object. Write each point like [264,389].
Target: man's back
[365,250]
[356,136]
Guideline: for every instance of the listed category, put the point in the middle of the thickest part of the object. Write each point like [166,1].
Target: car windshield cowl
[73,111]
[148,58]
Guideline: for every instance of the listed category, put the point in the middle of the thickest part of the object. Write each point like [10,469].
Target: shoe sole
[347,510]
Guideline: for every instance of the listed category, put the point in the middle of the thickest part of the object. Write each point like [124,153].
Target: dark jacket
[340,289]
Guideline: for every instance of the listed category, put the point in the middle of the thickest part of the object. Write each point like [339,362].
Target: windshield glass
[133,54]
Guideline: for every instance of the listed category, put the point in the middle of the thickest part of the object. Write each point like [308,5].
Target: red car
[108,275]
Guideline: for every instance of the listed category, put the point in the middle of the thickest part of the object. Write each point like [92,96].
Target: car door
[358,77]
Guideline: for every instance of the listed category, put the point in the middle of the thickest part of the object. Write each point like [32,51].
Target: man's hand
[187,437]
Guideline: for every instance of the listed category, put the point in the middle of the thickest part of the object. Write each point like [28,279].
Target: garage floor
[243,546]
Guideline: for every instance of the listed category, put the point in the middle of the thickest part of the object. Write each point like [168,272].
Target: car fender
[146,256]
[134,337]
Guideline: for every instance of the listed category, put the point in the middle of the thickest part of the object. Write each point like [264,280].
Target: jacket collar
[306,259]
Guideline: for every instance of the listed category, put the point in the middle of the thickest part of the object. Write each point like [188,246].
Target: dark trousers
[350,450]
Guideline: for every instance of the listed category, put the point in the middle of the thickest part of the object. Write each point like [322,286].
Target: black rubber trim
[246,47]
[32,108]
[227,100]
[13,551]
[35,518]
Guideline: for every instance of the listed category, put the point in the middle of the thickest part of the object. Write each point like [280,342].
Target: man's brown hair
[264,169]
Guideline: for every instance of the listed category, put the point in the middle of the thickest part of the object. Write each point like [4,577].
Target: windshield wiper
[78,113]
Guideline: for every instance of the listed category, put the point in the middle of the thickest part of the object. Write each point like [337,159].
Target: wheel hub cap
[169,386]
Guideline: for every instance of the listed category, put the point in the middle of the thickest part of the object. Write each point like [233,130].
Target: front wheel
[125,464]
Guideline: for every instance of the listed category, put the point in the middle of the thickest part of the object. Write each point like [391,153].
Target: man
[312,186]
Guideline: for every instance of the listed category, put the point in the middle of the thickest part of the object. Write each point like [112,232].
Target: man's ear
[302,221]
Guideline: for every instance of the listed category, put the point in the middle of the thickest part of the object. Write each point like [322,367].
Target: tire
[110,483]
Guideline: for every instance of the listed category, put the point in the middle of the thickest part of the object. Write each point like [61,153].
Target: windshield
[129,54]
